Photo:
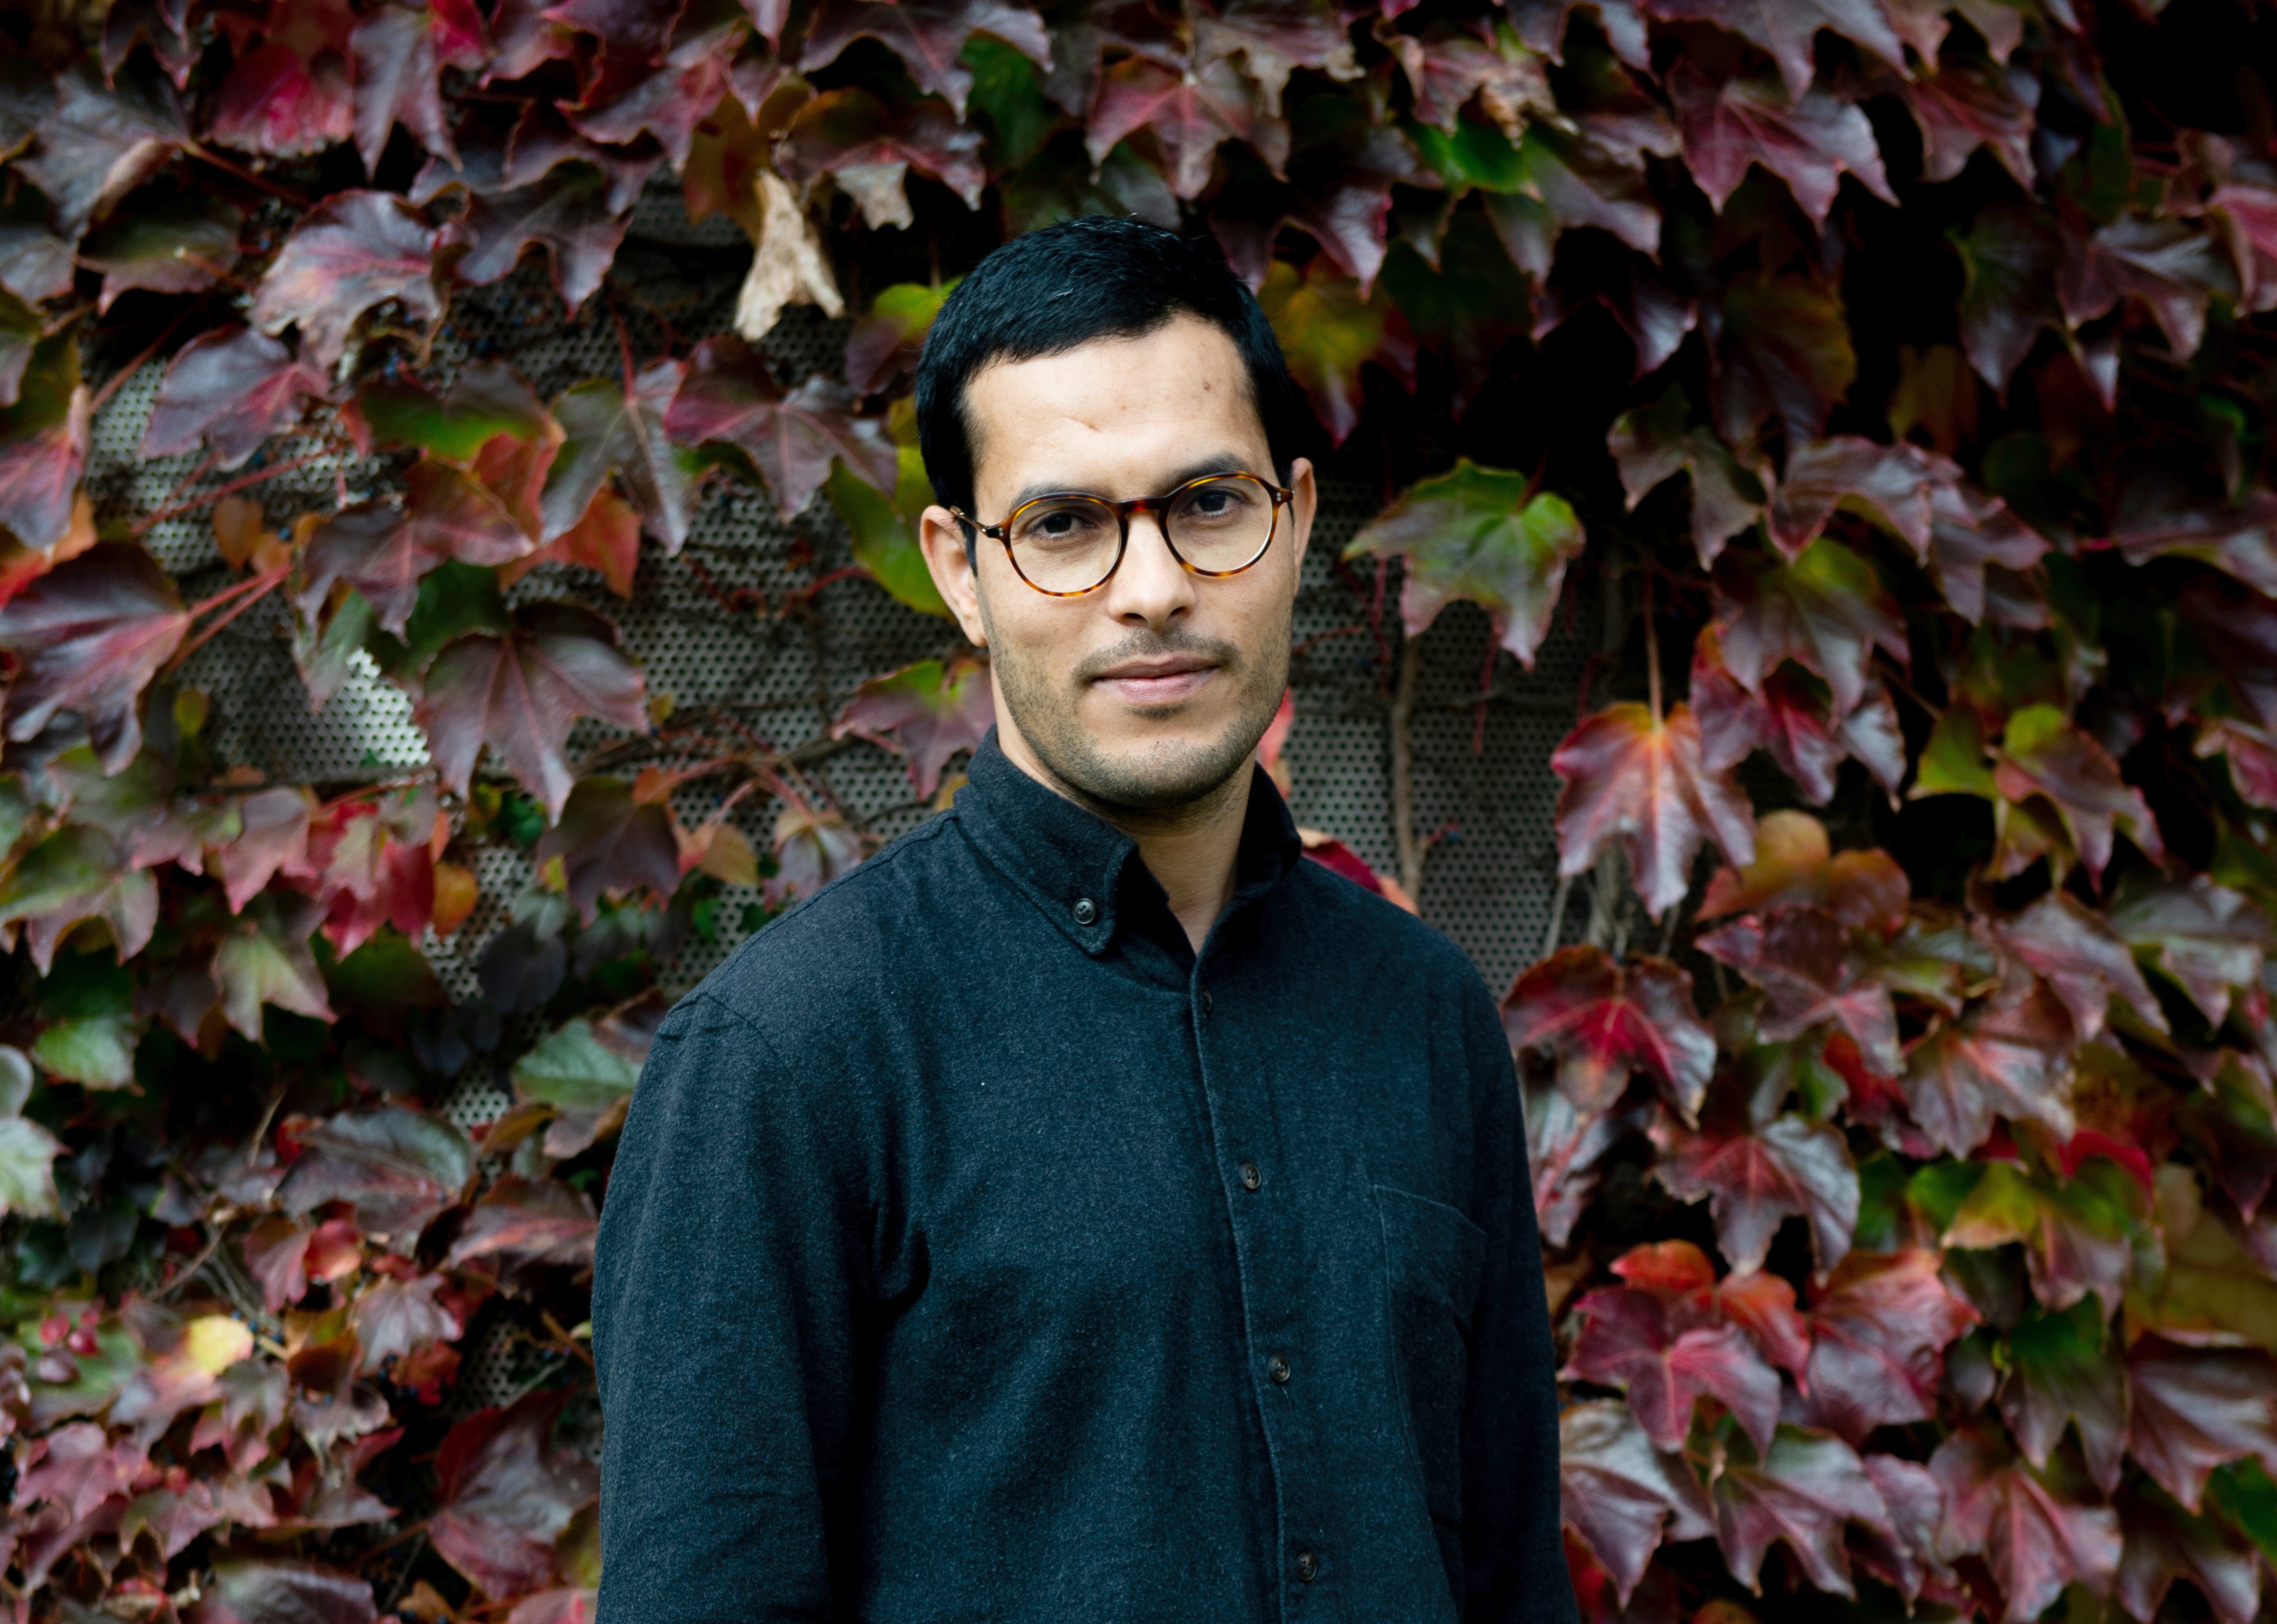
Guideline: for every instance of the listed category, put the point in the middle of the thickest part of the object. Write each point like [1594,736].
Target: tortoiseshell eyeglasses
[1070,542]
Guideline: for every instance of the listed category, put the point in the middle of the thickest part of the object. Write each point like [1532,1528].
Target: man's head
[1118,359]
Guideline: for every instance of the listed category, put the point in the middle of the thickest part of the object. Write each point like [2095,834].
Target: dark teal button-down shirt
[978,1251]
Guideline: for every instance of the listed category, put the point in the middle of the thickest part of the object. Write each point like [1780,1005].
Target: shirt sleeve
[725,1286]
[1513,1553]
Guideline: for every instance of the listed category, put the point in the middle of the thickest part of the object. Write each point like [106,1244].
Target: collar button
[1085,910]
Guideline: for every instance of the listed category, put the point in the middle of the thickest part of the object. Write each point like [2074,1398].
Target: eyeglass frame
[1158,505]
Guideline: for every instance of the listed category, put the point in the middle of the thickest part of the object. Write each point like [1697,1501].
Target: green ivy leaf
[885,532]
[572,1070]
[1484,535]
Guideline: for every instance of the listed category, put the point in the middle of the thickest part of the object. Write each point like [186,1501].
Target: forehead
[1115,410]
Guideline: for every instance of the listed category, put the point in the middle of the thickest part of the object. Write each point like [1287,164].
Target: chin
[1153,774]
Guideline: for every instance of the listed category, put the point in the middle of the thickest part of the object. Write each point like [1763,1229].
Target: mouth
[1162,681]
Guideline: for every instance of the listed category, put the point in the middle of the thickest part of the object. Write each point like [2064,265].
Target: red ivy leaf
[384,552]
[1785,349]
[1904,1556]
[1656,443]
[2077,1234]
[2174,266]
[572,211]
[636,30]
[43,441]
[179,245]
[1274,38]
[2082,959]
[927,712]
[1785,31]
[2191,1409]
[1826,610]
[1807,142]
[610,842]
[1622,1495]
[1794,863]
[232,388]
[1802,957]
[508,1489]
[609,430]
[252,1588]
[1880,1330]
[1963,106]
[279,104]
[89,635]
[355,252]
[398,61]
[398,1167]
[1563,1151]
[1791,1167]
[730,397]
[1969,533]
[1605,1022]
[100,142]
[1792,719]
[1642,782]
[851,134]
[2009,256]
[2007,1058]
[2207,937]
[2044,753]
[1190,112]
[928,35]
[2164,1543]
[1628,1341]
[2038,1533]
[1889,484]
[522,1225]
[1805,1489]
[1761,1304]
[519,691]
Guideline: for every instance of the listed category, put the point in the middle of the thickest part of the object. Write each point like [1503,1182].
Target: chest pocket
[1433,1256]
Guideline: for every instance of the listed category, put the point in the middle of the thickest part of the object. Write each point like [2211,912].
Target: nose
[1149,587]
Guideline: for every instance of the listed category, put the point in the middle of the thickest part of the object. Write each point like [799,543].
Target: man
[1086,1209]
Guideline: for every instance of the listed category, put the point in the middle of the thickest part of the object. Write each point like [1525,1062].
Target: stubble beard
[1160,779]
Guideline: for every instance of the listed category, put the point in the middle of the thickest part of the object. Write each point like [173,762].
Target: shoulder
[1376,936]
[849,945]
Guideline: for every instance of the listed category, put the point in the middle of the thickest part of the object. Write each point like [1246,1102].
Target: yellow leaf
[213,1342]
[456,893]
[728,857]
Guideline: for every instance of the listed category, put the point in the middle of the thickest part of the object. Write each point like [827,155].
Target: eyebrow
[1224,462]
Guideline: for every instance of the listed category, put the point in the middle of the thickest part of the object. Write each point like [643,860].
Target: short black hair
[1070,285]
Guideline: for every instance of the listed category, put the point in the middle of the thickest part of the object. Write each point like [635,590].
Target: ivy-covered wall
[1801,550]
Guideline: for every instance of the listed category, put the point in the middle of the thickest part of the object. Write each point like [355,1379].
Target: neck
[1190,849]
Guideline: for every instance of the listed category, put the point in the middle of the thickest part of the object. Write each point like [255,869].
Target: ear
[1301,513]
[941,539]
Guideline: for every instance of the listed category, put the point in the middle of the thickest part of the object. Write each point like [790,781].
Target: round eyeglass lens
[1065,543]
[1222,525]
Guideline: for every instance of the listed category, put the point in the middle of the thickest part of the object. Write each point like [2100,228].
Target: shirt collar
[1072,864]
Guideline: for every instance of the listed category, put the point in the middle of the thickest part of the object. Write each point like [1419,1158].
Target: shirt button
[1307,1565]
[1205,1002]
[1278,1368]
[1250,1177]
[1085,910]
